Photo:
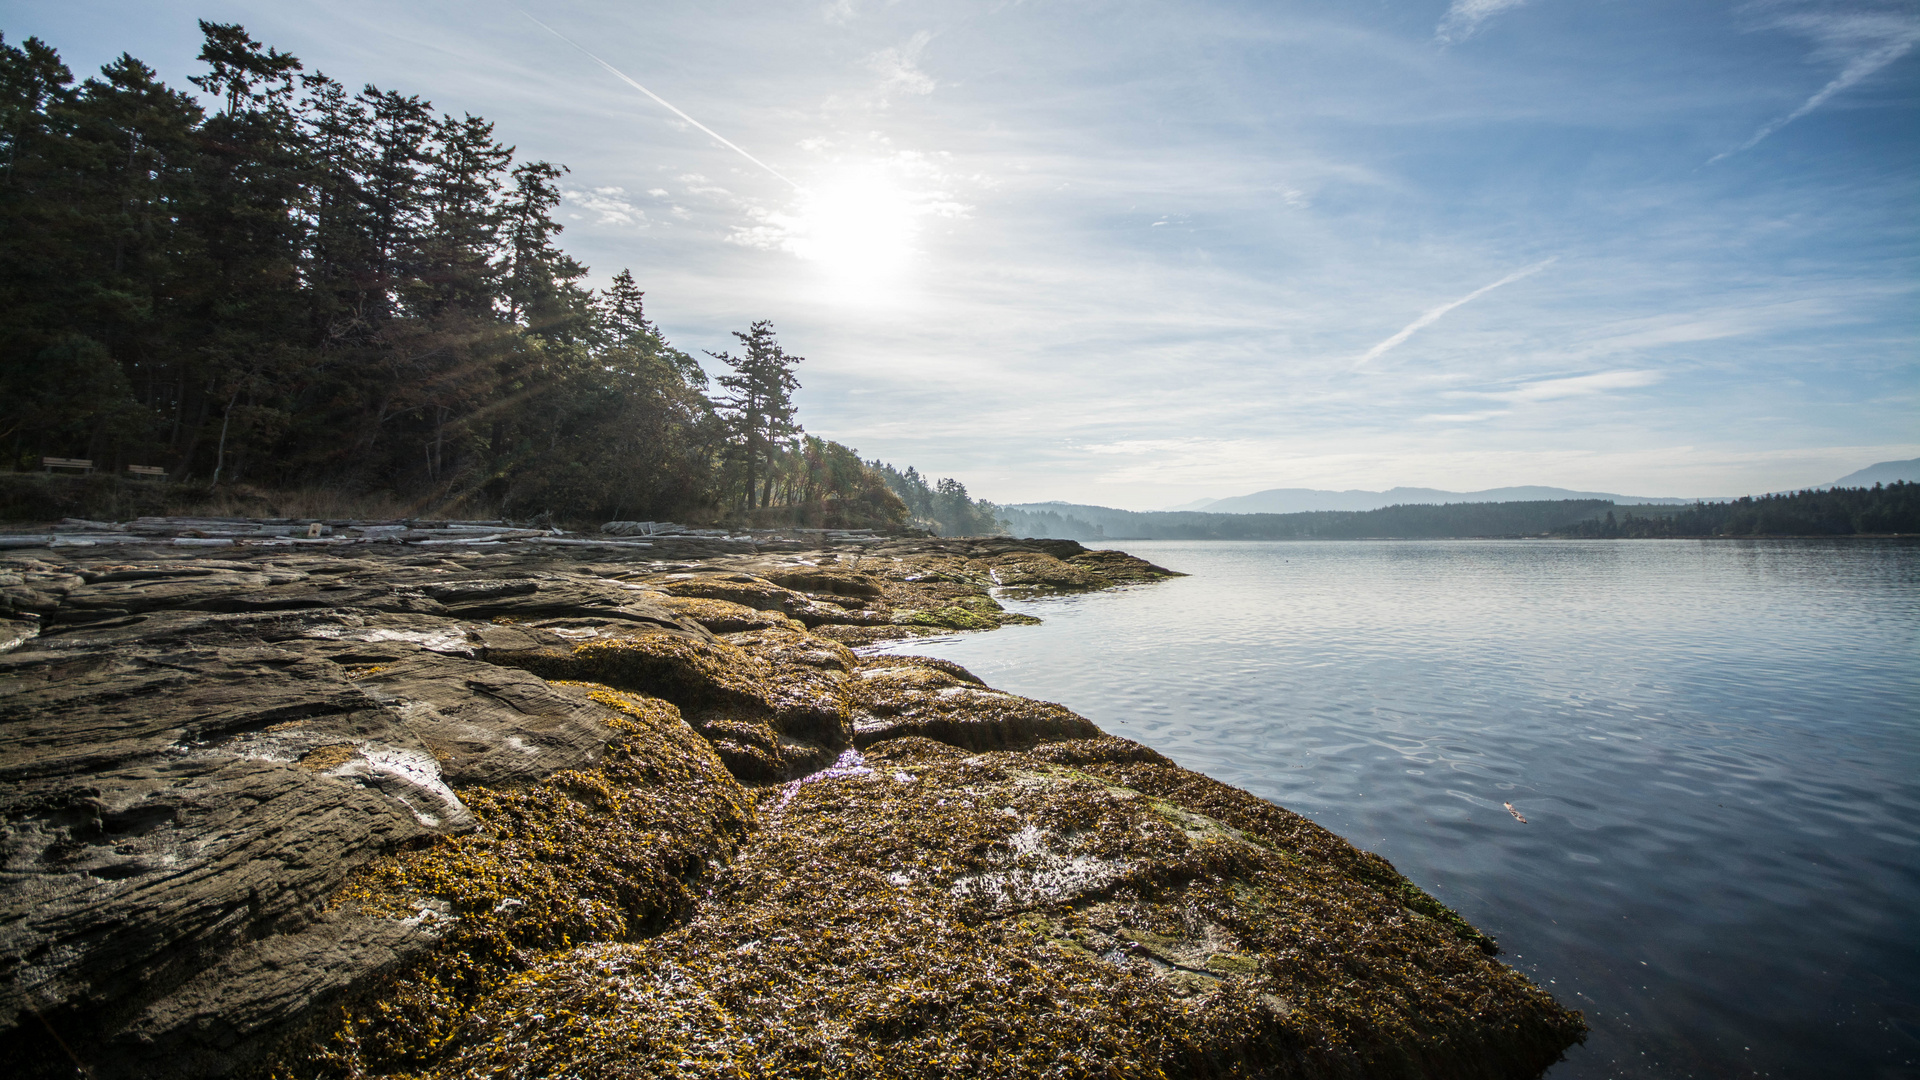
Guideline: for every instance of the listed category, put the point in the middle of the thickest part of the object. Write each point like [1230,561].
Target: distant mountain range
[1886,472]
[1302,500]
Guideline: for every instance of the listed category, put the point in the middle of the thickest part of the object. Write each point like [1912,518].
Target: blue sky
[1137,253]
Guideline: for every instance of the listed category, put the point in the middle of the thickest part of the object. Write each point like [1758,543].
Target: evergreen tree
[541,281]
[759,404]
[623,317]
[295,284]
[395,156]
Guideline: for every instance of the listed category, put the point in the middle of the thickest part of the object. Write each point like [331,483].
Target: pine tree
[465,175]
[541,281]
[296,284]
[623,319]
[759,404]
[398,127]
[242,71]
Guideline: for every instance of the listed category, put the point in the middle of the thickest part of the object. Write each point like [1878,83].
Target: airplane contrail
[622,76]
[1435,313]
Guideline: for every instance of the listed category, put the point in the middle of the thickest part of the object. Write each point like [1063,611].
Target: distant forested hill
[1083,523]
[1835,512]
[1890,508]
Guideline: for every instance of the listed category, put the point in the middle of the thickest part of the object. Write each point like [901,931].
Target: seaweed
[995,889]
[935,913]
[612,853]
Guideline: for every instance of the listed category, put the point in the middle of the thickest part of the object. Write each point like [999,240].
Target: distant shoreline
[1882,510]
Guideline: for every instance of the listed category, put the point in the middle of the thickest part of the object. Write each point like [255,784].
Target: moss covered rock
[609,853]
[927,912]
[506,814]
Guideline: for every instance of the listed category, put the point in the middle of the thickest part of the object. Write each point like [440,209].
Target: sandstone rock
[482,813]
[725,616]
[767,720]
[743,589]
[612,853]
[185,789]
[17,631]
[541,601]
[899,699]
[486,726]
[834,580]
[925,912]
[31,587]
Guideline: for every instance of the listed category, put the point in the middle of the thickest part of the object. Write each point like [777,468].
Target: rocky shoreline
[448,812]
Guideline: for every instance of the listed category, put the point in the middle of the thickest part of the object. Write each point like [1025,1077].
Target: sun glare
[858,226]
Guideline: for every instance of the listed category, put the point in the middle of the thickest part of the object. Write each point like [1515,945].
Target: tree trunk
[220,458]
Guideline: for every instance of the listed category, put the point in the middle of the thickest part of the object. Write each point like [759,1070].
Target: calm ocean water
[1716,745]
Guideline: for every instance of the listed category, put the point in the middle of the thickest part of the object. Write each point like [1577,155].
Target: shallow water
[1716,746]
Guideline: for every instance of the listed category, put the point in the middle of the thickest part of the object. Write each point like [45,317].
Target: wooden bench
[146,470]
[52,463]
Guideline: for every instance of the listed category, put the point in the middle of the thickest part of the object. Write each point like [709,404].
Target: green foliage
[758,407]
[944,507]
[310,287]
[824,485]
[1893,508]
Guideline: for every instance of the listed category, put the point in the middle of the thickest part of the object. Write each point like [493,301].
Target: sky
[1138,253]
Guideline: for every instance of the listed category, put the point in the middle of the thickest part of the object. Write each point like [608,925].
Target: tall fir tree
[281,282]
[759,404]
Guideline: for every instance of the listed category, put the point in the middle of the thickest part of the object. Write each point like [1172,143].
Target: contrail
[1857,69]
[622,76]
[1434,314]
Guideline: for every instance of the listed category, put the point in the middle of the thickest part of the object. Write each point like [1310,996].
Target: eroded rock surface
[520,814]
[923,912]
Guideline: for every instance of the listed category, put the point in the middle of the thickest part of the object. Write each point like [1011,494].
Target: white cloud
[1861,42]
[1463,19]
[1053,318]
[609,204]
[1464,418]
[1575,386]
[899,68]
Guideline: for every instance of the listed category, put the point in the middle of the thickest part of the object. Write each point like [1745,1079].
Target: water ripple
[1714,744]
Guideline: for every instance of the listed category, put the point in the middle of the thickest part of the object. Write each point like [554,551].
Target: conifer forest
[284,282]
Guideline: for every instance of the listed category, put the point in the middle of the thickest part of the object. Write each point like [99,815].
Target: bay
[1715,745]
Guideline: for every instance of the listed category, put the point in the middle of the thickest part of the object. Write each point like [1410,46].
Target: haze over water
[1716,746]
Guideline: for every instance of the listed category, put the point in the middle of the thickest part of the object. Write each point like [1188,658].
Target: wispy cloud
[1433,314]
[1043,323]
[899,67]
[1463,19]
[1861,42]
[1464,418]
[609,204]
[1575,386]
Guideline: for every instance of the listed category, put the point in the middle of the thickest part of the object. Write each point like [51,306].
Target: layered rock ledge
[526,814]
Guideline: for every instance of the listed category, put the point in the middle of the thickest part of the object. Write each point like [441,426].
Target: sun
[857,225]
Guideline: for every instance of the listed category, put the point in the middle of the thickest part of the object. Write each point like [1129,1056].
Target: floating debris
[1516,814]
